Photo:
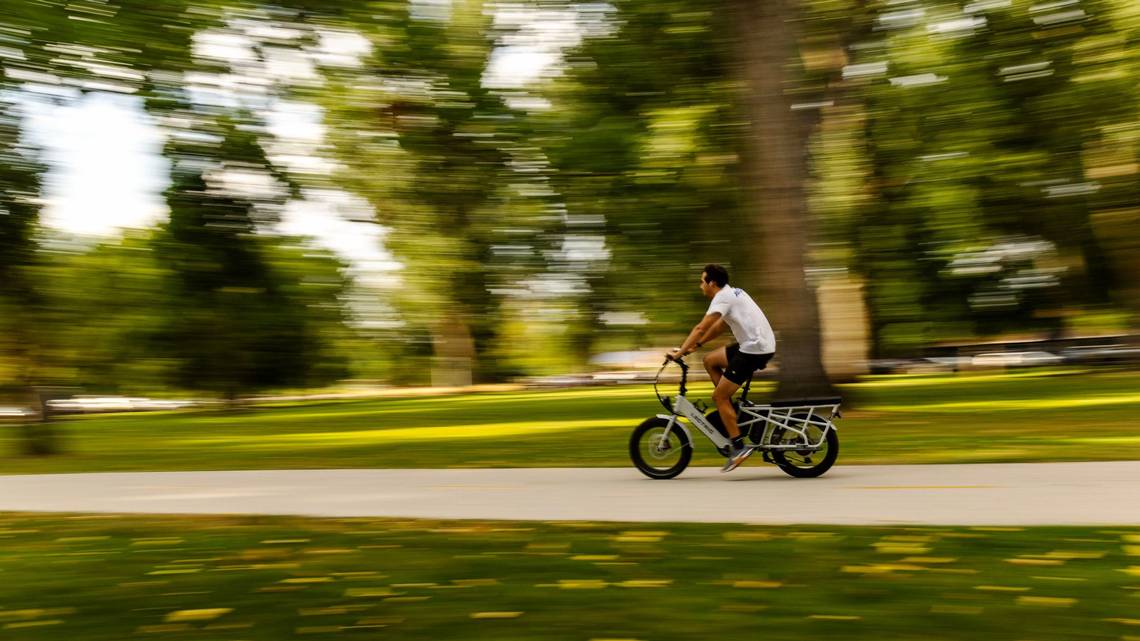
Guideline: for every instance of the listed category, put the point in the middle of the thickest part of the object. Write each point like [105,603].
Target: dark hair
[716,274]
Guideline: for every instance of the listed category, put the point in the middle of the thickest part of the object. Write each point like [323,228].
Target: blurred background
[212,199]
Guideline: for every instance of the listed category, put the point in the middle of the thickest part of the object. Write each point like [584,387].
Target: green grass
[228,578]
[1028,416]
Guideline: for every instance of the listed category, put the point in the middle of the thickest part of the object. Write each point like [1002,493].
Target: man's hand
[674,354]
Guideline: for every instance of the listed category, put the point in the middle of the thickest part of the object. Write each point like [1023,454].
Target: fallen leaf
[207,614]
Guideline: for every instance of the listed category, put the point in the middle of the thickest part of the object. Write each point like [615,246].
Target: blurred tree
[977,158]
[645,133]
[102,308]
[434,151]
[641,136]
[20,172]
[775,176]
[314,282]
[20,191]
[236,321]
[59,50]
[975,162]
[1106,68]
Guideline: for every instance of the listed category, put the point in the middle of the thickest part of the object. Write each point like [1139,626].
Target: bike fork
[672,418]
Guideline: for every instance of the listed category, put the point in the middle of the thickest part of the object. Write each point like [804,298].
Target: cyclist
[730,366]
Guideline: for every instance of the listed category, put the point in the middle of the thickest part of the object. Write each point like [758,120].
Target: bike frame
[792,418]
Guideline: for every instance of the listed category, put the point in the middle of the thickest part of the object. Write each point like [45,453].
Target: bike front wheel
[660,451]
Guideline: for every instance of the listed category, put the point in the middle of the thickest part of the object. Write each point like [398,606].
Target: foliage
[988,127]
[20,172]
[973,163]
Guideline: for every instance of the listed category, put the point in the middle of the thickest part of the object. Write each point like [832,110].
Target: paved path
[1016,494]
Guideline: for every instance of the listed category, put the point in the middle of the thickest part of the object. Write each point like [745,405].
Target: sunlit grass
[404,434]
[963,378]
[97,577]
[1043,404]
[1042,415]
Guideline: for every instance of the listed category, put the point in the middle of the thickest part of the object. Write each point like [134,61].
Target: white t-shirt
[749,325]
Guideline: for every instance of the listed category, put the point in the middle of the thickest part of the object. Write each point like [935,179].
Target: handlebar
[680,361]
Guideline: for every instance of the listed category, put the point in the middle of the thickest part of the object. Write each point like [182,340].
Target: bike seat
[834,400]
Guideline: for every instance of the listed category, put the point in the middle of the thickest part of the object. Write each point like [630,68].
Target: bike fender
[672,418]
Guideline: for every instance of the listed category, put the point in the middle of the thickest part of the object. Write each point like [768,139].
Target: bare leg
[722,396]
[716,362]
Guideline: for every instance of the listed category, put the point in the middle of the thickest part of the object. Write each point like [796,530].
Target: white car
[1015,359]
[99,404]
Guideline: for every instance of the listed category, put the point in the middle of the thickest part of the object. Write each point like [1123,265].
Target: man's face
[706,286]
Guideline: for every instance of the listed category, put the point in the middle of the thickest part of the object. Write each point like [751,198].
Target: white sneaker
[736,457]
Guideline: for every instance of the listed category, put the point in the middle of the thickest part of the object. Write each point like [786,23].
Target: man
[730,366]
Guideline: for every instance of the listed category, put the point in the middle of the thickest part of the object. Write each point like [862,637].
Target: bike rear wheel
[657,455]
[806,463]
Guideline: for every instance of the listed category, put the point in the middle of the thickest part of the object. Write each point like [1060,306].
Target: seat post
[744,390]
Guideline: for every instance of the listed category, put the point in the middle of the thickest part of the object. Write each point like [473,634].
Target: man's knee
[708,359]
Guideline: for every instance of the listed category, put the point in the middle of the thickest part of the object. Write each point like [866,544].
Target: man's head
[713,277]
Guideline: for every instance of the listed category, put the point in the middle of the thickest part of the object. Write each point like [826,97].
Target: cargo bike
[798,436]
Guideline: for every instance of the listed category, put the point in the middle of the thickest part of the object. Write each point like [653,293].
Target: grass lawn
[96,578]
[1043,415]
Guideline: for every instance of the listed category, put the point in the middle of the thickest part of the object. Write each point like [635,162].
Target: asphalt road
[1013,494]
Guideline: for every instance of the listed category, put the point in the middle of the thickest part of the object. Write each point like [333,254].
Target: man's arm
[716,330]
[709,328]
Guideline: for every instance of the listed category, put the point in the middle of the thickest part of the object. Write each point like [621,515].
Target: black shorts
[742,365]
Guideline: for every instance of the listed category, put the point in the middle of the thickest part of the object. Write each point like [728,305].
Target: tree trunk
[453,352]
[39,436]
[1116,231]
[37,431]
[774,174]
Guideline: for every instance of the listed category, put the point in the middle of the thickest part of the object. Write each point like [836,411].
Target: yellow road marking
[920,487]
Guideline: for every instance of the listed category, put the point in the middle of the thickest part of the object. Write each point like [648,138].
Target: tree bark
[39,435]
[453,352]
[774,172]
[37,431]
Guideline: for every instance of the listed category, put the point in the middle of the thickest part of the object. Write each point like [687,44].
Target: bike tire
[640,445]
[811,471]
